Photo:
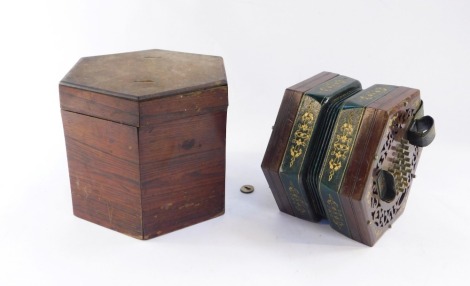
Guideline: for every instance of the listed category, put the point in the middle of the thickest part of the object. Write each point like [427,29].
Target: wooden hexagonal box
[145,139]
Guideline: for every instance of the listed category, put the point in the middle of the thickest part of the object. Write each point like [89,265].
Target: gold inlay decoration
[393,120]
[297,200]
[373,93]
[341,147]
[306,121]
[335,213]
[333,84]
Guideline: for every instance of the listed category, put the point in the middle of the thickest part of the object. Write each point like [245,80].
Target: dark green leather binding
[325,125]
[341,143]
[312,118]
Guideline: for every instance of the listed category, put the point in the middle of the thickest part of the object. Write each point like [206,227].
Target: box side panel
[104,172]
[182,191]
[182,157]
[99,105]
[167,109]
[183,137]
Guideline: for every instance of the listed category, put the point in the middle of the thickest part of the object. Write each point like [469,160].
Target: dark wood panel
[360,164]
[357,154]
[182,137]
[167,109]
[182,190]
[104,172]
[99,105]
[182,157]
[366,237]
[360,173]
[367,142]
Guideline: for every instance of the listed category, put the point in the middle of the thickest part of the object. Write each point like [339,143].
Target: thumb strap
[421,132]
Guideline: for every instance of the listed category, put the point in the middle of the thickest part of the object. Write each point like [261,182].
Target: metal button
[246,189]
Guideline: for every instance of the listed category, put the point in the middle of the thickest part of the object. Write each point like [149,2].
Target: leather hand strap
[421,132]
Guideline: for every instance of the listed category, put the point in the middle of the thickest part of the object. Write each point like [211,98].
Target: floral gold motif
[393,120]
[333,84]
[335,213]
[297,199]
[372,94]
[341,147]
[302,134]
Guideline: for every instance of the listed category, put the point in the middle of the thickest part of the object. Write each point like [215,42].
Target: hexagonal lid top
[146,75]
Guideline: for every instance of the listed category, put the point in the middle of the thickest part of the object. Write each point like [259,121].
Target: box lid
[145,75]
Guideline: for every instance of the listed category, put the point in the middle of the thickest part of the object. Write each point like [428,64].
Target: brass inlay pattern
[305,120]
[345,132]
[333,84]
[335,212]
[341,147]
[371,94]
[297,200]
[393,120]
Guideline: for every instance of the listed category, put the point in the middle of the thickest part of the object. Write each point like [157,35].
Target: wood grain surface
[99,105]
[152,166]
[362,168]
[103,160]
[182,160]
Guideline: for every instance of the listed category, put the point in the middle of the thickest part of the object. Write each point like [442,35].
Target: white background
[267,46]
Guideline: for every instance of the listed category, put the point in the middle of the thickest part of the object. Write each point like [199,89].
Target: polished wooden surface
[182,160]
[99,105]
[103,160]
[146,75]
[399,110]
[369,150]
[146,157]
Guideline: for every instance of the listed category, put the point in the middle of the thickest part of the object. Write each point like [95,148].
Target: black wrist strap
[421,132]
